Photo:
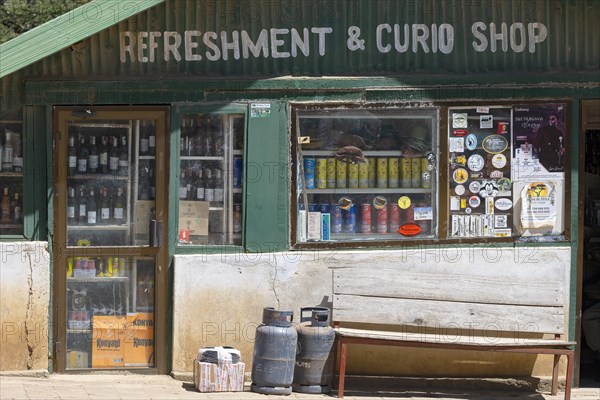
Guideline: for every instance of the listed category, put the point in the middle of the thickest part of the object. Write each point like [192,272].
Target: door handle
[155,233]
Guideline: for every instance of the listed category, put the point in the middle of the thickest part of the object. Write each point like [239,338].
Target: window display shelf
[96,279]
[11,226]
[366,153]
[105,177]
[79,331]
[98,227]
[11,174]
[202,158]
[371,191]
[147,157]
[99,125]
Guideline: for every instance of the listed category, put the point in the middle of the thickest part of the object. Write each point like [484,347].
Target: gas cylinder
[314,358]
[274,353]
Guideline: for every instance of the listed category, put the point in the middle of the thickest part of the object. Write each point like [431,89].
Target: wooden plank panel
[448,315]
[484,285]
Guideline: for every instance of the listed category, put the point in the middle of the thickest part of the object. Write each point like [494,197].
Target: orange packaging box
[107,346]
[138,343]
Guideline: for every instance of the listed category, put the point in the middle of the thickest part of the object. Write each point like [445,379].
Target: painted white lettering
[233,45]
[172,48]
[209,40]
[420,34]
[534,37]
[142,46]
[321,32]
[153,45]
[190,45]
[127,48]
[494,37]
[276,43]
[378,38]
[446,38]
[477,29]
[434,38]
[262,44]
[520,28]
[401,48]
[300,43]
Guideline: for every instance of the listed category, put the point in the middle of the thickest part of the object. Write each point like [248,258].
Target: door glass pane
[110,182]
[210,180]
[110,312]
[11,174]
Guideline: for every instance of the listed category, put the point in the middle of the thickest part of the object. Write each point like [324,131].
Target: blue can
[238,172]
[323,208]
[312,207]
[349,220]
[309,172]
[336,218]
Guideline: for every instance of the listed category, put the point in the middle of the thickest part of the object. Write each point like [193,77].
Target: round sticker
[468,210]
[460,175]
[459,190]
[474,201]
[503,204]
[494,144]
[488,189]
[474,187]
[504,184]
[475,163]
[471,141]
[499,160]
[404,202]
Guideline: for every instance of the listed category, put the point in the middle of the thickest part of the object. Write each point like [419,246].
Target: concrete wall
[218,300]
[24,300]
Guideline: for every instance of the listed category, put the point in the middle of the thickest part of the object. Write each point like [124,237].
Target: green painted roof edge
[63,31]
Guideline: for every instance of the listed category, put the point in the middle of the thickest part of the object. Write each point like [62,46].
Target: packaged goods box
[209,377]
[138,344]
[107,345]
[193,217]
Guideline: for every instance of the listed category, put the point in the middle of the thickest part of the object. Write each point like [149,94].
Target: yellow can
[352,175]
[363,175]
[426,177]
[415,172]
[382,172]
[321,173]
[341,174]
[372,172]
[331,172]
[405,172]
[392,172]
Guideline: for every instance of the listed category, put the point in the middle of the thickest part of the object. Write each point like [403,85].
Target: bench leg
[570,365]
[342,369]
[554,388]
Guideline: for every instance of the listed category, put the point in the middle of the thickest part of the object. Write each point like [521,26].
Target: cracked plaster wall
[24,300]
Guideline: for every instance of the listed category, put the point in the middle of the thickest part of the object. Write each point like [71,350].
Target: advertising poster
[479,143]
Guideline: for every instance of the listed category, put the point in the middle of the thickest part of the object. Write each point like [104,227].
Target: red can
[394,218]
[382,220]
[365,218]
[408,215]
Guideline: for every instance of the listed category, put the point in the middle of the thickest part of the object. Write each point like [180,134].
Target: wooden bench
[509,305]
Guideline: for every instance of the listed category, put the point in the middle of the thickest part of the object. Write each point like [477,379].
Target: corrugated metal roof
[66,30]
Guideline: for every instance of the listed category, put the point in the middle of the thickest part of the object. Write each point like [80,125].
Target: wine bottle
[5,207]
[71,219]
[113,157]
[199,186]
[183,185]
[82,157]
[93,156]
[119,208]
[151,138]
[218,185]
[190,188]
[17,210]
[92,209]
[144,138]
[144,189]
[104,207]
[124,157]
[72,156]
[209,189]
[7,152]
[103,157]
[81,211]
[17,155]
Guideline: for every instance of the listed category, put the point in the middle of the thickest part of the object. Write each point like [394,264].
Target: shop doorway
[110,263]
[589,282]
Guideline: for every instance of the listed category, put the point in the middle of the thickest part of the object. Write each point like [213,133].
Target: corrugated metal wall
[571,45]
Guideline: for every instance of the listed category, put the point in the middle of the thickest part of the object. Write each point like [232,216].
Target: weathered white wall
[218,300]
[24,300]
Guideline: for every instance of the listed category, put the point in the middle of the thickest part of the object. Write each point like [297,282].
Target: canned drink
[331,173]
[405,172]
[382,173]
[341,174]
[324,208]
[426,177]
[238,172]
[312,207]
[321,173]
[309,172]
[349,220]
[393,172]
[372,172]
[408,215]
[237,218]
[336,218]
[394,216]
[365,218]
[415,172]
[363,175]
[382,220]
[353,175]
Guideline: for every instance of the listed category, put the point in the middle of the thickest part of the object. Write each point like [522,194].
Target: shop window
[365,174]
[11,174]
[211,178]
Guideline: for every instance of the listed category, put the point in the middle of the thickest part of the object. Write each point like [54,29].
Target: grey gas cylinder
[274,353]
[314,358]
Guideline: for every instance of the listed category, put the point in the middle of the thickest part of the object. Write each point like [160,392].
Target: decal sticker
[496,174]
[345,203]
[404,202]
[500,221]
[494,144]
[503,204]
[499,160]
[463,202]
[504,184]
[483,110]
[379,202]
[489,205]
[488,189]
[471,141]
[502,232]
[454,203]
[474,201]
[475,163]
[460,175]
[460,161]
[459,120]
[423,213]
[486,121]
[474,187]
[468,210]
[457,144]
[409,229]
[459,190]
[502,128]
[459,132]
[476,175]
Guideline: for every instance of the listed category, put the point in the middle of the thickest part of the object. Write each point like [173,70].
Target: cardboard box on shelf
[78,359]
[138,343]
[193,216]
[107,345]
[144,212]
[209,377]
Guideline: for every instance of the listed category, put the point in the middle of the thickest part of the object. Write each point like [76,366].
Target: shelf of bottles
[11,176]
[210,178]
[108,165]
[366,175]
